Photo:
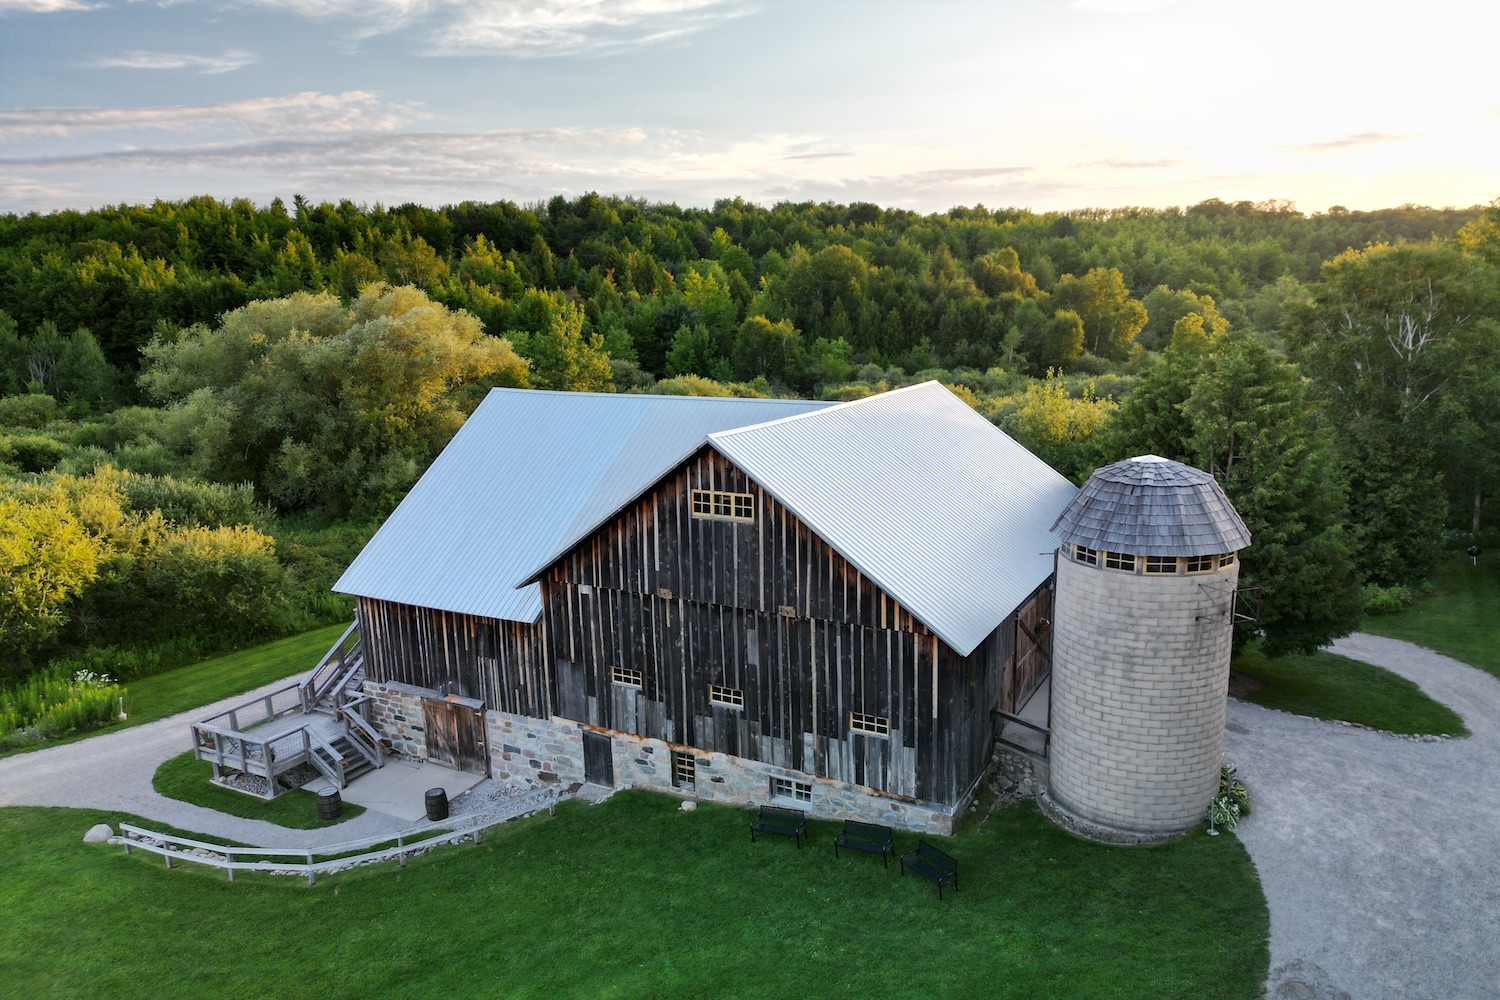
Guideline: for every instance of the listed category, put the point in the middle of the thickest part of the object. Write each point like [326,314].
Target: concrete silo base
[1099,832]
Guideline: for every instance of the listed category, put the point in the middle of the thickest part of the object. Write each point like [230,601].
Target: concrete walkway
[114,771]
[1379,856]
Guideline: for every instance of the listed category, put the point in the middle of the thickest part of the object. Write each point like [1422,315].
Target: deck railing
[331,671]
[314,862]
[236,751]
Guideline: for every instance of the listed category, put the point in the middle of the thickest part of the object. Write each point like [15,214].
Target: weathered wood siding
[497,662]
[770,610]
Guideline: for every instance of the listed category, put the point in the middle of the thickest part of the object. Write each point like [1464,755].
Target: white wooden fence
[337,857]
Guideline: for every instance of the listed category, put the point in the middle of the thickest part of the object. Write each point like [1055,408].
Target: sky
[1040,104]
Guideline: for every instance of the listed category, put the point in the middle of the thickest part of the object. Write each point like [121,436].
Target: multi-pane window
[1161,565]
[785,788]
[1085,555]
[727,696]
[1119,560]
[684,769]
[625,675]
[872,725]
[1227,559]
[723,505]
[1200,564]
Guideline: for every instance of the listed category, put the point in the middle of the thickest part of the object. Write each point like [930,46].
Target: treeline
[969,288]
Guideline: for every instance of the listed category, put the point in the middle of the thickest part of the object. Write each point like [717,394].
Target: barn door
[1033,648]
[598,759]
[455,734]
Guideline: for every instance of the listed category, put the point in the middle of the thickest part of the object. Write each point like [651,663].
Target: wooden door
[598,759]
[455,734]
[1033,656]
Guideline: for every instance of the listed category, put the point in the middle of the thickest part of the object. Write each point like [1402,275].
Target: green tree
[566,358]
[1111,318]
[46,559]
[1241,413]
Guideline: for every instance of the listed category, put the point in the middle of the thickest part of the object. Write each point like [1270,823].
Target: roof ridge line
[827,409]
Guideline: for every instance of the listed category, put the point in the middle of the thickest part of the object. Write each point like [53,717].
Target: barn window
[726,696]
[1227,559]
[625,675]
[785,788]
[1083,555]
[871,725]
[723,506]
[1200,564]
[1119,560]
[684,769]
[1161,565]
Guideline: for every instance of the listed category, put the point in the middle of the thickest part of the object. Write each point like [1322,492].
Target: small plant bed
[633,897]
[187,688]
[1328,686]
[1460,619]
[186,779]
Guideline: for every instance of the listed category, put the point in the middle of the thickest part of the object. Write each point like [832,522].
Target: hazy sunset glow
[1046,105]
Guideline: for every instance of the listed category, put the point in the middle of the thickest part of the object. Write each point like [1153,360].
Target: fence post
[229,856]
[401,844]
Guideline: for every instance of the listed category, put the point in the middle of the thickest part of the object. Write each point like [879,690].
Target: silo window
[1119,560]
[1084,555]
[1200,564]
[1161,565]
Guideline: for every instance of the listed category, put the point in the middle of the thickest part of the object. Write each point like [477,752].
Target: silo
[1146,576]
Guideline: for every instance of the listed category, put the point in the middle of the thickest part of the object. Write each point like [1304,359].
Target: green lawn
[634,898]
[186,779]
[186,688]
[1460,619]
[1327,686]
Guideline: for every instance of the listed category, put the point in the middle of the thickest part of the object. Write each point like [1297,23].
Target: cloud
[951,174]
[43,6]
[1346,142]
[352,111]
[815,156]
[231,60]
[1136,164]
[1121,6]
[521,27]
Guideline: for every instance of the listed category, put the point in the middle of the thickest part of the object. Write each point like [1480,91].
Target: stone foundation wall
[553,751]
[396,713]
[535,749]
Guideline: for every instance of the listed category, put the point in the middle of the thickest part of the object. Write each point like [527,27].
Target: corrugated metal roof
[522,479]
[932,502]
[1152,506]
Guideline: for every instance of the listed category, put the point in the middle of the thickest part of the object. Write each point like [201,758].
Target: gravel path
[1379,855]
[114,771]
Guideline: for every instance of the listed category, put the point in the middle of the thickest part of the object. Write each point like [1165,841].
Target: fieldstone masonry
[1140,676]
[523,748]
[396,712]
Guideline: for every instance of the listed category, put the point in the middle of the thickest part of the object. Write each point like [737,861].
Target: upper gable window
[723,506]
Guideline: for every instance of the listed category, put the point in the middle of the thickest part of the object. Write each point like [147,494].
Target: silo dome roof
[1152,506]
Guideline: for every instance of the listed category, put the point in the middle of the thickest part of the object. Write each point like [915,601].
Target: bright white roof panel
[527,473]
[942,510]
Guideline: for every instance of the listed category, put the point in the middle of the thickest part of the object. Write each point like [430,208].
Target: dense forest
[205,406]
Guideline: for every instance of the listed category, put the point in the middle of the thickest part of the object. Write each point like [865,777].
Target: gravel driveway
[1379,855]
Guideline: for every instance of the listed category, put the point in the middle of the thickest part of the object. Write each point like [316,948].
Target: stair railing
[330,669]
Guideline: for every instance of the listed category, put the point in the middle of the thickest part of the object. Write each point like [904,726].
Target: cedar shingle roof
[1151,506]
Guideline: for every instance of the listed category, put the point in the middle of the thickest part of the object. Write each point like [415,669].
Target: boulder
[688,807]
[99,834]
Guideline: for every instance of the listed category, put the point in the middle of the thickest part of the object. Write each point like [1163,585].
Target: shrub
[55,702]
[31,452]
[31,410]
[1380,600]
[192,502]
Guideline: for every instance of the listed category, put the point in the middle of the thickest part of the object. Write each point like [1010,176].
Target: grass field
[1462,617]
[1327,686]
[634,898]
[186,779]
[186,688]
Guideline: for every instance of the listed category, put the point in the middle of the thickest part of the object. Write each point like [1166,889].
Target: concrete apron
[400,788]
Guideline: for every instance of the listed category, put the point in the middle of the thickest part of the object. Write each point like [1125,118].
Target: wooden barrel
[437,804]
[330,804]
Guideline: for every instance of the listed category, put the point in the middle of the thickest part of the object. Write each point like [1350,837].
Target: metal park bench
[786,822]
[932,864]
[868,837]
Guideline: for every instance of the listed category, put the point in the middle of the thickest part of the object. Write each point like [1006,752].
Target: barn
[745,601]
